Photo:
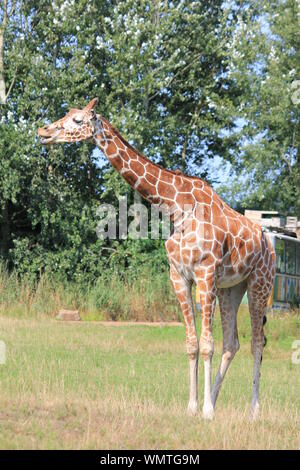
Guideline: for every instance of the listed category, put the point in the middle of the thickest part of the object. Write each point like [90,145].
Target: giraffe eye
[77,120]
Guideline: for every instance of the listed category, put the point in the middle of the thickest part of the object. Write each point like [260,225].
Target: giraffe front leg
[207,291]
[182,290]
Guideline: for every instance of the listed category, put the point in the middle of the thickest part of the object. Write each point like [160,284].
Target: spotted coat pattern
[211,245]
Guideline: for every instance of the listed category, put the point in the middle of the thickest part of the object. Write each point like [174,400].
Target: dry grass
[148,298]
[90,386]
[119,423]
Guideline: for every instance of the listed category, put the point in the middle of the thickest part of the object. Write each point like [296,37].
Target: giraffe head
[77,125]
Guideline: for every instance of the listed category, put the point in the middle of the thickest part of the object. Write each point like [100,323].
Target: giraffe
[221,251]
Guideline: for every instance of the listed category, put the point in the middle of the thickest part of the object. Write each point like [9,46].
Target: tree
[160,70]
[49,196]
[265,63]
[6,13]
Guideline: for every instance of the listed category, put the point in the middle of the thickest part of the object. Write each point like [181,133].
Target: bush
[145,296]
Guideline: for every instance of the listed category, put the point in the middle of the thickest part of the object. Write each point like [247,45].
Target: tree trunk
[4,231]
[2,81]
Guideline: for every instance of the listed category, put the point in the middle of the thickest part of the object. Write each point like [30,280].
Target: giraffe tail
[265,339]
[264,322]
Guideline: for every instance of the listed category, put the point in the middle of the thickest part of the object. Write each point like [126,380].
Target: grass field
[89,386]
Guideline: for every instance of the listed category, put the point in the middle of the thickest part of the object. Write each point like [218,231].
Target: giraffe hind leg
[258,295]
[229,302]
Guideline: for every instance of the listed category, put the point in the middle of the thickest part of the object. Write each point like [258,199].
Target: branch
[4,22]
[289,165]
[12,84]
[109,249]
[176,74]
[12,9]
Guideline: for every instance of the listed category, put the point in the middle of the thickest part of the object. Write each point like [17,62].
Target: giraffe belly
[230,280]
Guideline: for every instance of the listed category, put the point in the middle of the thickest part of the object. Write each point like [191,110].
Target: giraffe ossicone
[219,250]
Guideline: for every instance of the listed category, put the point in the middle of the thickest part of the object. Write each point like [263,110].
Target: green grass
[86,385]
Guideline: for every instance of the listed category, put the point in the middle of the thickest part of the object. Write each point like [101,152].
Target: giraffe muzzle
[48,136]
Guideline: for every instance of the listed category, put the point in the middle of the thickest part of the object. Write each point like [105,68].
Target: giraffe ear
[91,104]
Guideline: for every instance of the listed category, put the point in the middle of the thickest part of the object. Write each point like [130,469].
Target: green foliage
[265,63]
[158,70]
[173,77]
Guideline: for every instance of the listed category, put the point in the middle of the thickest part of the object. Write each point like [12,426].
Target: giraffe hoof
[208,413]
[193,408]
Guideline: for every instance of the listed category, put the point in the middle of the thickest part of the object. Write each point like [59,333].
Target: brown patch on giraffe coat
[183,199]
[152,170]
[206,248]
[257,243]
[202,197]
[242,250]
[240,247]
[171,246]
[185,255]
[167,177]
[208,190]
[238,241]
[117,164]
[130,177]
[137,167]
[151,190]
[181,297]
[155,200]
[132,154]
[196,254]
[198,184]
[264,269]
[200,283]
[193,225]
[166,190]
[151,179]
[119,143]
[222,224]
[183,184]
[124,155]
[190,239]
[219,235]
[207,231]
[206,212]
[216,248]
[218,216]
[249,246]
[111,148]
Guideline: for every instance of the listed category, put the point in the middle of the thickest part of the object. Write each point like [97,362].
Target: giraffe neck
[154,183]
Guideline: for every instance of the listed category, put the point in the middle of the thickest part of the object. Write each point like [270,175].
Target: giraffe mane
[119,135]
